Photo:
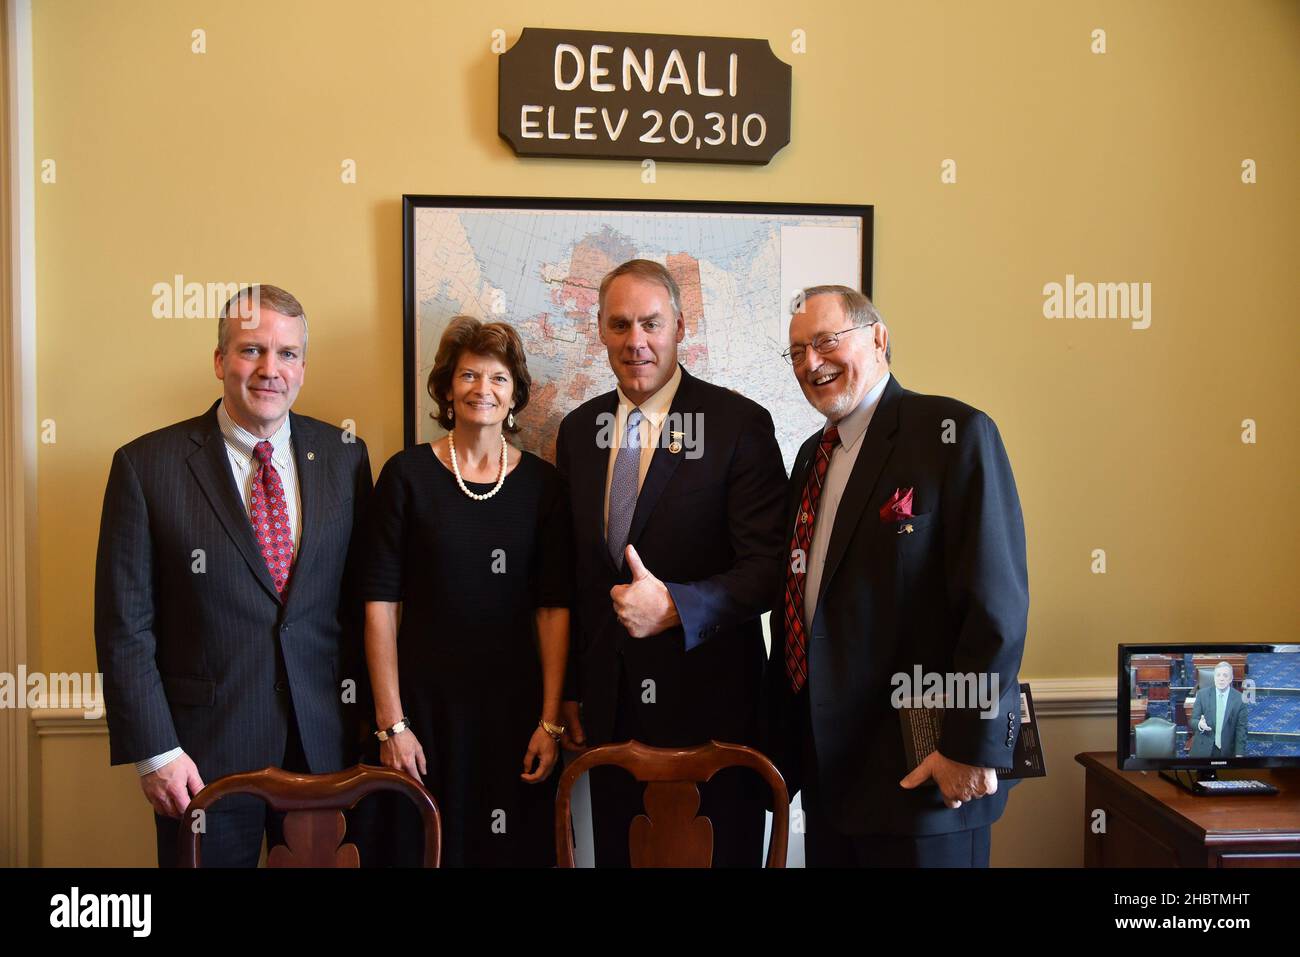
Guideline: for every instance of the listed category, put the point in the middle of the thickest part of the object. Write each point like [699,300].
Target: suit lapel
[877,445]
[663,463]
[594,468]
[210,464]
[311,491]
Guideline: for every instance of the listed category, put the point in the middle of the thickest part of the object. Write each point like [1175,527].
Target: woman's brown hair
[495,339]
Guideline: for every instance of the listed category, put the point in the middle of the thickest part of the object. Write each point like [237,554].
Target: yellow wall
[1118,167]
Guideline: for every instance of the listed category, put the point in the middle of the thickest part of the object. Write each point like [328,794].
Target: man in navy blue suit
[676,489]
[907,556]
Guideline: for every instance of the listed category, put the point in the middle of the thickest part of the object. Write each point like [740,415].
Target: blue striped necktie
[623,488]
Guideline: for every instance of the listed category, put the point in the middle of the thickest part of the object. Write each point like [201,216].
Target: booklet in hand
[922,728]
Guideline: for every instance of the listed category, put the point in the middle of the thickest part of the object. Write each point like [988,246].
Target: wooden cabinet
[1152,822]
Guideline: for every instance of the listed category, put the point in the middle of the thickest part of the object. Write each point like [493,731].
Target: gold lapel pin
[675,446]
[311,456]
[906,529]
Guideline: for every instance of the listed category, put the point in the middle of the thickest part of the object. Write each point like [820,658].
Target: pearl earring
[510,420]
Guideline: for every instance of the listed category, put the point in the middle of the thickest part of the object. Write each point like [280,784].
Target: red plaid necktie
[270,517]
[796,644]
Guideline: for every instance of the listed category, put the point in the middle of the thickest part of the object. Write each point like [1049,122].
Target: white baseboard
[1053,698]
[1073,697]
[66,722]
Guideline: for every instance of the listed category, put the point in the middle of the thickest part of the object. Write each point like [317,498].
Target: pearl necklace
[455,468]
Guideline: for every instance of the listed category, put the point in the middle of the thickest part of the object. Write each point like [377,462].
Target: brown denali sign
[592,94]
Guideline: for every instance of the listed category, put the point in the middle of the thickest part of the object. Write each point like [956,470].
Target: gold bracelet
[554,730]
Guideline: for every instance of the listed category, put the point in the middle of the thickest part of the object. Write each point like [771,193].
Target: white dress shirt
[243,466]
[654,411]
[853,427]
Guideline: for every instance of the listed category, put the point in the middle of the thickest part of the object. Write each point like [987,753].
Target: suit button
[281,687]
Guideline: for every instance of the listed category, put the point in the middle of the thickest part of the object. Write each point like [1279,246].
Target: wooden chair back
[670,834]
[313,806]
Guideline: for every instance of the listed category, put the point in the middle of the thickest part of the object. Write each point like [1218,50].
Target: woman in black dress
[467,589]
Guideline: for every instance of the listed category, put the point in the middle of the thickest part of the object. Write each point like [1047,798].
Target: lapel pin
[311,456]
[675,446]
[906,529]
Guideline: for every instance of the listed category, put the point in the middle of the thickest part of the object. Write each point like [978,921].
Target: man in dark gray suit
[1219,718]
[226,619]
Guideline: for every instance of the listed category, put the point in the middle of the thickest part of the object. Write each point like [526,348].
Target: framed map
[537,264]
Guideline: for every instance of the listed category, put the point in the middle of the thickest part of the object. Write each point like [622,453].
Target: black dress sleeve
[553,563]
[385,556]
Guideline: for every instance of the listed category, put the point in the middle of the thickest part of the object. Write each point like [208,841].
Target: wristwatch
[383,734]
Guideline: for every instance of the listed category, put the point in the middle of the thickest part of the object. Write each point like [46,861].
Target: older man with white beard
[907,552]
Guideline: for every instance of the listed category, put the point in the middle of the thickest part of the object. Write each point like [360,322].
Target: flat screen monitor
[1208,706]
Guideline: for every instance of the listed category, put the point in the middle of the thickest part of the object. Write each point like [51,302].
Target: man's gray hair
[263,296]
[650,271]
[1223,664]
[859,309]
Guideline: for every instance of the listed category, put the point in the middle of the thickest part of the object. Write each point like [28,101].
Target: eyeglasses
[825,343]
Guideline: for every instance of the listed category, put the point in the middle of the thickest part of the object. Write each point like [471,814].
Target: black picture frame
[413,202]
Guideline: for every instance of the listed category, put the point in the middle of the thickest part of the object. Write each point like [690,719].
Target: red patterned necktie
[796,643]
[270,517]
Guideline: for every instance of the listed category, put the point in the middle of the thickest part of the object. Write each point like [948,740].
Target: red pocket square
[898,507]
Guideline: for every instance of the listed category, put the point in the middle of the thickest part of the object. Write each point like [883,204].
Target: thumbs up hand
[634,563]
[644,607]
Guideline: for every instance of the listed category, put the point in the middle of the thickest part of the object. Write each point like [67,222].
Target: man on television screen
[1219,718]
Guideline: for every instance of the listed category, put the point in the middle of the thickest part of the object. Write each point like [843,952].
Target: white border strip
[19,429]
